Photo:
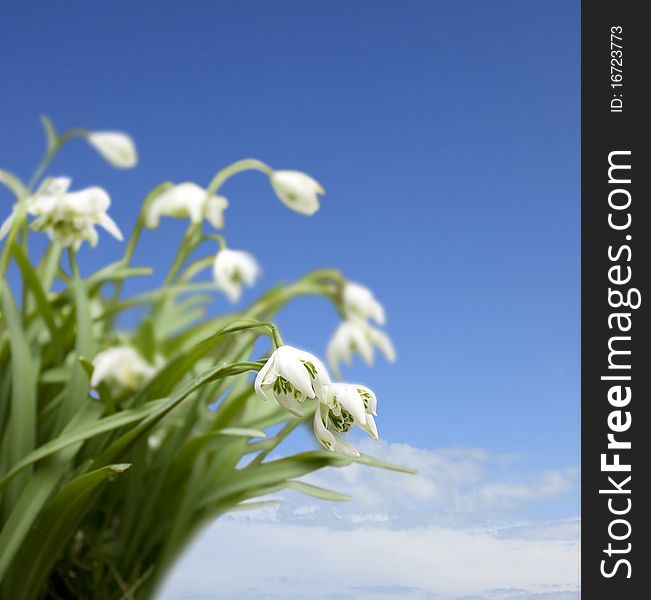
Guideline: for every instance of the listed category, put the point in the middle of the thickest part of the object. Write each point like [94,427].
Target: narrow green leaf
[316,491]
[53,529]
[85,432]
[50,133]
[241,432]
[276,472]
[371,461]
[21,429]
[13,183]
[33,282]
[255,505]
[78,387]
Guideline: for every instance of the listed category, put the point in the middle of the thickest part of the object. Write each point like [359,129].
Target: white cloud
[268,560]
[455,487]
[458,529]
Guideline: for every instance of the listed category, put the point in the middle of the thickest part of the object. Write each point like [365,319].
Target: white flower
[347,405]
[116,147]
[297,190]
[187,200]
[122,364]
[69,218]
[359,302]
[232,269]
[292,376]
[354,335]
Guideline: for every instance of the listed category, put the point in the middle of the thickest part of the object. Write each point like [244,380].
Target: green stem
[53,150]
[217,237]
[247,164]
[188,245]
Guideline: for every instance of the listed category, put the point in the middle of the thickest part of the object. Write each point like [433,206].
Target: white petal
[116,147]
[322,377]
[262,374]
[88,202]
[360,339]
[185,200]
[214,210]
[372,402]
[195,207]
[343,446]
[89,233]
[334,357]
[348,396]
[295,371]
[290,403]
[232,290]
[325,437]
[54,186]
[370,427]
[109,224]
[383,342]
[359,301]
[297,191]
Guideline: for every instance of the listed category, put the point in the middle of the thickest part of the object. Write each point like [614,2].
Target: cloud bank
[459,530]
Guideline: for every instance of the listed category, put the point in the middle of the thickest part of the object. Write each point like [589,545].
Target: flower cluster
[69,218]
[293,376]
[355,334]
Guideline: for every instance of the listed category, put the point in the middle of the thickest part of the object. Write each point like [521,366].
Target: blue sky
[446,134]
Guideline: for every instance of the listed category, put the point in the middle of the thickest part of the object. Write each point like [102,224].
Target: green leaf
[255,505]
[54,529]
[31,278]
[82,433]
[316,491]
[14,184]
[371,461]
[273,473]
[21,429]
[50,133]
[78,387]
[213,374]
[87,366]
[241,432]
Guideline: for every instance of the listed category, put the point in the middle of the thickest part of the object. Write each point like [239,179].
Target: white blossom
[297,191]
[116,147]
[232,269]
[122,364]
[292,376]
[187,200]
[68,218]
[346,405]
[358,301]
[357,336]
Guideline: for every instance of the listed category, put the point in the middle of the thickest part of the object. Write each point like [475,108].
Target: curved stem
[188,245]
[217,237]
[247,164]
[53,150]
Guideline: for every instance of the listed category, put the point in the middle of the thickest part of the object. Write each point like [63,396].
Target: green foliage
[102,486]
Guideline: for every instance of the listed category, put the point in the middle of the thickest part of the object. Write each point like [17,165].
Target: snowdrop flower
[297,191]
[116,147]
[232,269]
[187,200]
[359,302]
[292,376]
[346,405]
[357,336]
[124,365]
[69,218]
